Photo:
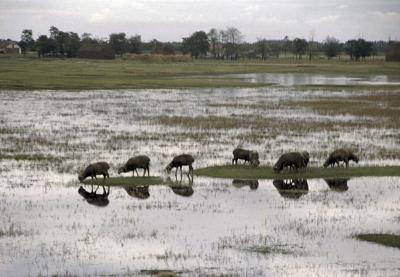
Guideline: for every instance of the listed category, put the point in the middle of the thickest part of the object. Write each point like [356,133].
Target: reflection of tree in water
[338,184]
[94,198]
[140,192]
[181,188]
[293,189]
[239,183]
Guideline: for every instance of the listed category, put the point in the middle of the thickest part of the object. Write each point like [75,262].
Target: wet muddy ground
[213,226]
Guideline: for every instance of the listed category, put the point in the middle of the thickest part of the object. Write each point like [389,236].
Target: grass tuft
[382,239]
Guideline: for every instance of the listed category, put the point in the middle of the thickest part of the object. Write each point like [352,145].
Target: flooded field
[49,225]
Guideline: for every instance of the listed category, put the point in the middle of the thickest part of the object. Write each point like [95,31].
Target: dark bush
[393,53]
[96,51]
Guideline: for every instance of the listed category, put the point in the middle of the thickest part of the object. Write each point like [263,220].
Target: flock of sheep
[292,160]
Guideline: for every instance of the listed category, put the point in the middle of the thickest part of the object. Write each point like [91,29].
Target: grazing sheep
[293,160]
[99,168]
[306,157]
[340,155]
[179,161]
[136,162]
[246,155]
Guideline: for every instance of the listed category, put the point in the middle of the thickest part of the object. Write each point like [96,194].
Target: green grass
[79,74]
[122,181]
[383,239]
[245,172]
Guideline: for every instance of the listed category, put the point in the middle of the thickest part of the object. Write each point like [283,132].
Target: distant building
[9,47]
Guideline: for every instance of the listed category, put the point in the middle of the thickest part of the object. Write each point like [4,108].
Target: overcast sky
[170,20]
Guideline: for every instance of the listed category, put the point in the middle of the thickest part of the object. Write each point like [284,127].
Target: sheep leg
[137,173]
[148,171]
[191,169]
[181,172]
[176,173]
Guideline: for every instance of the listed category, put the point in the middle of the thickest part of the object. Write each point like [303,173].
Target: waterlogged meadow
[51,226]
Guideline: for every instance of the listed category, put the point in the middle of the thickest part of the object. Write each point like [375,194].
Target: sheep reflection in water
[239,183]
[338,184]
[140,192]
[181,188]
[293,189]
[94,198]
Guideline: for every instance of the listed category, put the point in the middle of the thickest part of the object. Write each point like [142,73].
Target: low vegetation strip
[122,181]
[240,171]
[79,74]
[383,239]
[29,157]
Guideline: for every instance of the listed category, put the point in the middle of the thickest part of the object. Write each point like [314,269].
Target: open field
[238,171]
[78,74]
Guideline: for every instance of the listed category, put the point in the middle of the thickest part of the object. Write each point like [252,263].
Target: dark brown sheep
[306,158]
[136,162]
[99,168]
[246,155]
[340,155]
[178,162]
[293,160]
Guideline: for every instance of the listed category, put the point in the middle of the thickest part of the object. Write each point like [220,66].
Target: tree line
[228,44]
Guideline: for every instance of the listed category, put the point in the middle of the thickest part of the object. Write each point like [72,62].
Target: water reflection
[293,189]
[94,198]
[239,183]
[286,79]
[180,187]
[338,184]
[140,192]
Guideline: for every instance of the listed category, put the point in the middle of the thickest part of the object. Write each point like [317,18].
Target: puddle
[210,226]
[294,79]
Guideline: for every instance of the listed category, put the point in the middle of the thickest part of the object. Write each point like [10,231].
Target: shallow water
[216,226]
[293,79]
[222,227]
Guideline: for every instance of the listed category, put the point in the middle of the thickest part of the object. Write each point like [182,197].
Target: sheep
[294,160]
[340,155]
[136,162]
[179,161]
[99,168]
[246,155]
[306,158]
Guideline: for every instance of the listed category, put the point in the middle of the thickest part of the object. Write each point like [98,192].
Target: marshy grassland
[58,116]
[78,74]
